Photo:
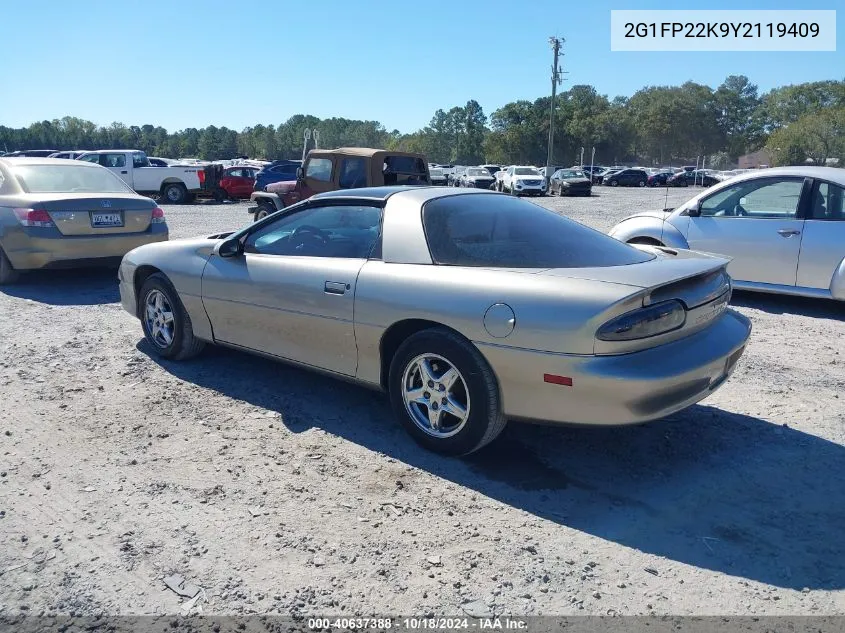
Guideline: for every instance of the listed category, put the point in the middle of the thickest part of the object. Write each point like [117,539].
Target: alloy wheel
[435,395]
[158,315]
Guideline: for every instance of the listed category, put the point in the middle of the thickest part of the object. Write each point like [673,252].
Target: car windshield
[498,231]
[526,171]
[477,172]
[68,179]
[570,173]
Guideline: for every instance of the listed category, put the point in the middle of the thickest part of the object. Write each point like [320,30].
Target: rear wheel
[167,326]
[444,393]
[8,275]
[220,195]
[614,183]
[641,183]
[175,193]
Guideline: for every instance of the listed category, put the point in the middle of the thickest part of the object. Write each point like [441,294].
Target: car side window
[139,160]
[353,173]
[236,173]
[114,160]
[828,202]
[765,198]
[91,158]
[347,231]
[319,169]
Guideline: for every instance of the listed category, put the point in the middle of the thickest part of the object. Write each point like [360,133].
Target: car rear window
[492,230]
[405,164]
[68,179]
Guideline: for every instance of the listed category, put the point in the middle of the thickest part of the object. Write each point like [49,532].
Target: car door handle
[336,287]
[124,172]
[788,232]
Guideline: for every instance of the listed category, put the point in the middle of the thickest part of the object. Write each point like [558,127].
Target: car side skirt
[798,291]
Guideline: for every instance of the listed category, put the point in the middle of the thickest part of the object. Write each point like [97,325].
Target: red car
[236,182]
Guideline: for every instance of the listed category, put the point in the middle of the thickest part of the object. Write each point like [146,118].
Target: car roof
[835,174]
[14,161]
[109,151]
[371,193]
[361,151]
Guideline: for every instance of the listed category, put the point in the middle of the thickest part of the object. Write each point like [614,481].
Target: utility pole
[555,43]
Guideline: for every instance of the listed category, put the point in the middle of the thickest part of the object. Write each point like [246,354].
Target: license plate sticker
[106,219]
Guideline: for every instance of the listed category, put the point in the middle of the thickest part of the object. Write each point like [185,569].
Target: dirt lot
[276,490]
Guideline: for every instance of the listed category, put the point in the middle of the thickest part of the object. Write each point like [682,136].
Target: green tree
[816,137]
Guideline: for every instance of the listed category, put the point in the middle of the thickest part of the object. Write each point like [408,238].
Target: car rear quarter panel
[551,313]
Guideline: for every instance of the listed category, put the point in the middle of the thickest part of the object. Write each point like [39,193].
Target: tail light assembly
[34,217]
[652,320]
[157,216]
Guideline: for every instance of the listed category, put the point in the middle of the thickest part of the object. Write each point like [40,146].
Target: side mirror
[230,248]
[695,211]
[300,173]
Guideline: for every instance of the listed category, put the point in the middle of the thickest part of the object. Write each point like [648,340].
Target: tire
[264,209]
[8,275]
[512,190]
[174,193]
[641,183]
[183,344]
[220,195]
[475,389]
[614,183]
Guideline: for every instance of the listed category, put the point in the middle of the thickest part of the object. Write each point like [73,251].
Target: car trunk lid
[700,282]
[84,214]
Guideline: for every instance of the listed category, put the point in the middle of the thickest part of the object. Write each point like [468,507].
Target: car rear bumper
[619,389]
[51,249]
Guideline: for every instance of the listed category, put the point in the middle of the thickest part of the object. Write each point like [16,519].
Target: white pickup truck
[175,184]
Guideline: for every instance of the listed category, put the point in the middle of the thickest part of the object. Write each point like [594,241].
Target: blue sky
[188,63]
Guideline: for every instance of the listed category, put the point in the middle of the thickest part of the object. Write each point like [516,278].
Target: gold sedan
[59,213]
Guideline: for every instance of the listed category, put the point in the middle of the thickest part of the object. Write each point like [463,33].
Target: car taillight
[158,216]
[34,217]
[644,322]
[201,174]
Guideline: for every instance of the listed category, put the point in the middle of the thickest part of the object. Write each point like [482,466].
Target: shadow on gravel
[785,304]
[709,488]
[78,286]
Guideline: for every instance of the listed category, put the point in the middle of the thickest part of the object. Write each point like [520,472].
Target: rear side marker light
[34,217]
[157,217]
[554,379]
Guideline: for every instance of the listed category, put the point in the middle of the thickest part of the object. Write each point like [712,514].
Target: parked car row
[323,280]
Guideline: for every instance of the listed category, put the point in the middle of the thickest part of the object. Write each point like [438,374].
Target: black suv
[627,178]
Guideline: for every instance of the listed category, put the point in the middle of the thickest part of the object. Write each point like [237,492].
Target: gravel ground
[277,490]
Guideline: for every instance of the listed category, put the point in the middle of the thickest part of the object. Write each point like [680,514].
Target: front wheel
[220,195]
[167,326]
[8,275]
[641,183]
[264,209]
[445,393]
[614,183]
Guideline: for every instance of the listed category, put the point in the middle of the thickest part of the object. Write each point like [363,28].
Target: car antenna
[666,197]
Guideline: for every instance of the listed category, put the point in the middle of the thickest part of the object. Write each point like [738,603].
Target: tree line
[657,125]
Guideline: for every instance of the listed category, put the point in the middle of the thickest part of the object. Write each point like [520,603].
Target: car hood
[576,181]
[280,187]
[531,177]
